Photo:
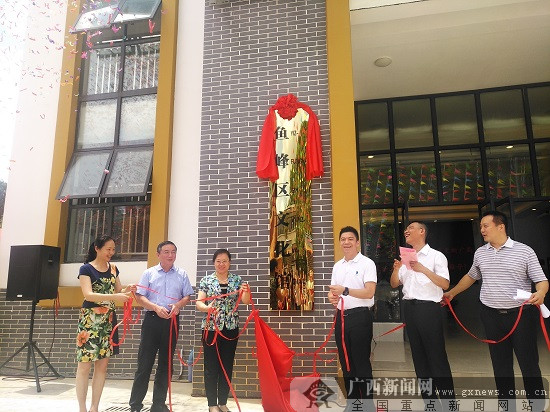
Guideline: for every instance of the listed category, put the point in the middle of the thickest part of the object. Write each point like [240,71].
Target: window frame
[110,202]
[73,161]
[147,181]
[115,18]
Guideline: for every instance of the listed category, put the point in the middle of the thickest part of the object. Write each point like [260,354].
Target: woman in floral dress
[218,283]
[101,288]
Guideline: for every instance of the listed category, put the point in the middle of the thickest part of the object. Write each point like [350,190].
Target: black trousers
[155,335]
[215,384]
[357,337]
[424,325]
[523,342]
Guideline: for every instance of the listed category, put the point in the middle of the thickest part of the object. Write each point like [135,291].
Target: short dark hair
[164,243]
[350,229]
[97,243]
[221,252]
[422,225]
[498,217]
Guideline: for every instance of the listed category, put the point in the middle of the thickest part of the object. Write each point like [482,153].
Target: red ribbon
[544,332]
[344,343]
[491,341]
[390,331]
[342,327]
[127,320]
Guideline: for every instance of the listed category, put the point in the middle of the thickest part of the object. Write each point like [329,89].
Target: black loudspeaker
[33,273]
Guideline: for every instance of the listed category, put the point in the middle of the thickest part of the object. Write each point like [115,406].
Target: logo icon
[318,393]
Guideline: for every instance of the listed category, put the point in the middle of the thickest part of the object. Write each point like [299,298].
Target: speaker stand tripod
[31,349]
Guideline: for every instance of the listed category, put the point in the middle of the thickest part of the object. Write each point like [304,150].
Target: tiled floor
[59,396]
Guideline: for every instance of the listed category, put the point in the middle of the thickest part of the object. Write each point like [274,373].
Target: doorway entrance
[453,230]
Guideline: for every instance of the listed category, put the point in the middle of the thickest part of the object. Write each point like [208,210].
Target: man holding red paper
[424,274]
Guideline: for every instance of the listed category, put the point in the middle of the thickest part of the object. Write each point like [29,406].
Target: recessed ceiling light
[509,147]
[370,156]
[383,61]
[533,209]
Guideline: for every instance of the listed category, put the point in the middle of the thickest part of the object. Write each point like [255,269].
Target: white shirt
[353,274]
[417,285]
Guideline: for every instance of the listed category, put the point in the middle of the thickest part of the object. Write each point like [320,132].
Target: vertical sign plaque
[290,156]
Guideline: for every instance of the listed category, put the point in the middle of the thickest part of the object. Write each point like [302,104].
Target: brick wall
[254,52]
[14,332]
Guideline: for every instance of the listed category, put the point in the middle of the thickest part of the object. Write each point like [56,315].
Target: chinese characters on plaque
[290,156]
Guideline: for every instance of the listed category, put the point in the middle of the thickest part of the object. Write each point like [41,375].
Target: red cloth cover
[266,166]
[275,371]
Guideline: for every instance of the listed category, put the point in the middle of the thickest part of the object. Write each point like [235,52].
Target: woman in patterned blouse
[220,282]
[101,288]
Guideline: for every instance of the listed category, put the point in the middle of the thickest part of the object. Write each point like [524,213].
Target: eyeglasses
[218,262]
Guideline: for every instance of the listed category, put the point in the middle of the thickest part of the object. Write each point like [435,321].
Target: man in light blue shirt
[162,291]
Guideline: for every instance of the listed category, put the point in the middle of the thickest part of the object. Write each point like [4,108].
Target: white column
[184,189]
[34,132]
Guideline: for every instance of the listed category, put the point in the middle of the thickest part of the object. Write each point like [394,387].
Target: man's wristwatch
[345,292]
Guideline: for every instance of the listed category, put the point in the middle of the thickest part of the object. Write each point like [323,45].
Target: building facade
[183,94]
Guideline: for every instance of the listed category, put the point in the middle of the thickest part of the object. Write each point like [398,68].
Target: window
[461,175]
[417,181]
[456,119]
[509,170]
[85,175]
[372,126]
[413,123]
[125,219]
[376,180]
[98,14]
[503,117]
[539,103]
[108,180]
[543,161]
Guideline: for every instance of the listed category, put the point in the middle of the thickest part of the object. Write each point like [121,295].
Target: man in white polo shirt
[505,266]
[354,281]
[423,286]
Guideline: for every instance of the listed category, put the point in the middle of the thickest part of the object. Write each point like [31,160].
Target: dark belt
[417,301]
[153,314]
[503,311]
[359,309]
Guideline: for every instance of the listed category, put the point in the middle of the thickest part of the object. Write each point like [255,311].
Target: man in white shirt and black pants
[354,281]
[505,266]
[423,286]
